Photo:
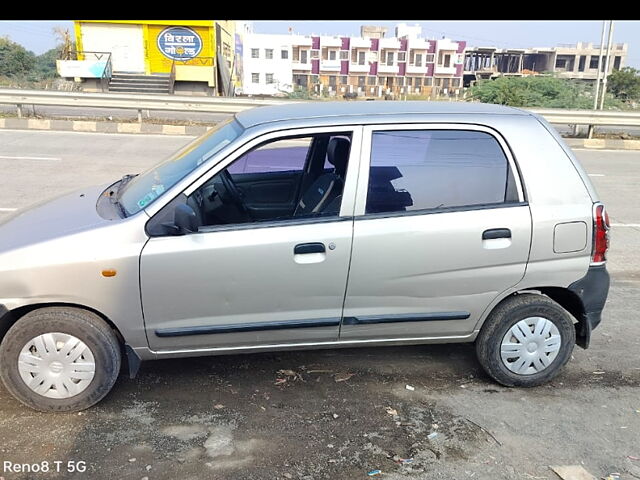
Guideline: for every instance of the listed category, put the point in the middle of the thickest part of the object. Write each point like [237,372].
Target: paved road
[224,417]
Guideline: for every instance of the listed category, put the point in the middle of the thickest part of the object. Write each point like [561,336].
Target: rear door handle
[314,247]
[496,233]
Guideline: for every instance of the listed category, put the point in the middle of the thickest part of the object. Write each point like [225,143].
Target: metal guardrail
[608,118]
[128,101]
[234,105]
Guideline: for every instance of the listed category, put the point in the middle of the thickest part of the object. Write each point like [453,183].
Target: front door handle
[496,233]
[304,248]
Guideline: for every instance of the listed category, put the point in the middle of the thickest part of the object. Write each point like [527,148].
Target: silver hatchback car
[312,225]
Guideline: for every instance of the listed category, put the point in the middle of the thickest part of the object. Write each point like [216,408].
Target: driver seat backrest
[327,186]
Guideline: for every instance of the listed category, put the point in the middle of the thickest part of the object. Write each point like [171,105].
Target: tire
[523,367]
[62,324]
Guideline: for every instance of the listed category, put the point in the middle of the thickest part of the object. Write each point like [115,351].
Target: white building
[266,64]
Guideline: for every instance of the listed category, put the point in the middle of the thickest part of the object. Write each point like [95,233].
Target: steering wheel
[230,191]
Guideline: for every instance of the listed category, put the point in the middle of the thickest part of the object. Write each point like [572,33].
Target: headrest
[338,154]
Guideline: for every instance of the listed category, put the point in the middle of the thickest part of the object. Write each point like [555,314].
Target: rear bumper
[592,290]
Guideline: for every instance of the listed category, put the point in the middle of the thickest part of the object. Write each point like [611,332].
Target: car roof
[366,111]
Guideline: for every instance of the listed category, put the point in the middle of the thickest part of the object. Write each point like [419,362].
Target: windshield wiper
[114,195]
[123,181]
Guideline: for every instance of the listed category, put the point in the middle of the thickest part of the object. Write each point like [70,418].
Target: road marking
[8,209]
[54,159]
[596,175]
[631,225]
[607,150]
[72,132]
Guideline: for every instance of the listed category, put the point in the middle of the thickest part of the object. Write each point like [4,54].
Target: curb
[603,143]
[100,127]
[195,130]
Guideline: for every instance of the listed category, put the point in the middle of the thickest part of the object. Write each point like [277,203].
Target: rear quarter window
[432,169]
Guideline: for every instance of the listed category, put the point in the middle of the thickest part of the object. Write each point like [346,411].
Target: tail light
[600,234]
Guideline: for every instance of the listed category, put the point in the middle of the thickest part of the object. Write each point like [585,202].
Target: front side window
[284,54]
[255,53]
[269,78]
[418,59]
[303,56]
[278,180]
[332,54]
[361,56]
[268,53]
[433,169]
[148,186]
[255,78]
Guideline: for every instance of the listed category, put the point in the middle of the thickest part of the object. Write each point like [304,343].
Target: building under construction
[580,61]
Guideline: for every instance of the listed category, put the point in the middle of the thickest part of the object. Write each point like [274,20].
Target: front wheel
[59,359]
[526,340]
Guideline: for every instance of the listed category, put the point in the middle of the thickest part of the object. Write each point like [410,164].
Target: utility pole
[606,64]
[597,93]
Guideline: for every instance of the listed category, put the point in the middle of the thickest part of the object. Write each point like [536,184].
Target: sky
[38,36]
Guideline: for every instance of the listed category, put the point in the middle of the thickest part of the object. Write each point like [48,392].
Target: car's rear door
[441,228]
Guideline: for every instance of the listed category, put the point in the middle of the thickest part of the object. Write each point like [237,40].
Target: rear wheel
[59,359]
[526,341]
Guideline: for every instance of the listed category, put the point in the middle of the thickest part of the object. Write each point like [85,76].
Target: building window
[269,77]
[344,54]
[616,63]
[418,60]
[402,56]
[300,80]
[417,82]
[371,80]
[430,58]
[344,79]
[428,82]
[428,163]
[389,58]
[332,81]
[284,54]
[332,54]
[581,63]
[361,56]
[455,82]
[400,82]
[255,53]
[361,81]
[315,54]
[255,78]
[304,56]
[268,53]
[561,63]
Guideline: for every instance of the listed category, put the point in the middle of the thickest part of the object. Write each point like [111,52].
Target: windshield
[145,188]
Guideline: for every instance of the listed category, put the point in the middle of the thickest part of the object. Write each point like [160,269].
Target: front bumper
[592,290]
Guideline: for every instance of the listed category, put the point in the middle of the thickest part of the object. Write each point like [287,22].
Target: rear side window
[431,169]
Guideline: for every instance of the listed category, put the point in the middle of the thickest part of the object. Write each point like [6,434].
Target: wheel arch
[10,317]
[567,299]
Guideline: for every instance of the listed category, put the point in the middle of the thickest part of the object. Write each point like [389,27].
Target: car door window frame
[365,165]
[348,193]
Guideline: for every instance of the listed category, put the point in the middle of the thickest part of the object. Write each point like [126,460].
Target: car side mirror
[185,220]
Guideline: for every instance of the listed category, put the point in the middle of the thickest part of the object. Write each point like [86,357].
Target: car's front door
[252,282]
[441,229]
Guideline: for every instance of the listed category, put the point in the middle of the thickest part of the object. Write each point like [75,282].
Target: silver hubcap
[530,346]
[56,365]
